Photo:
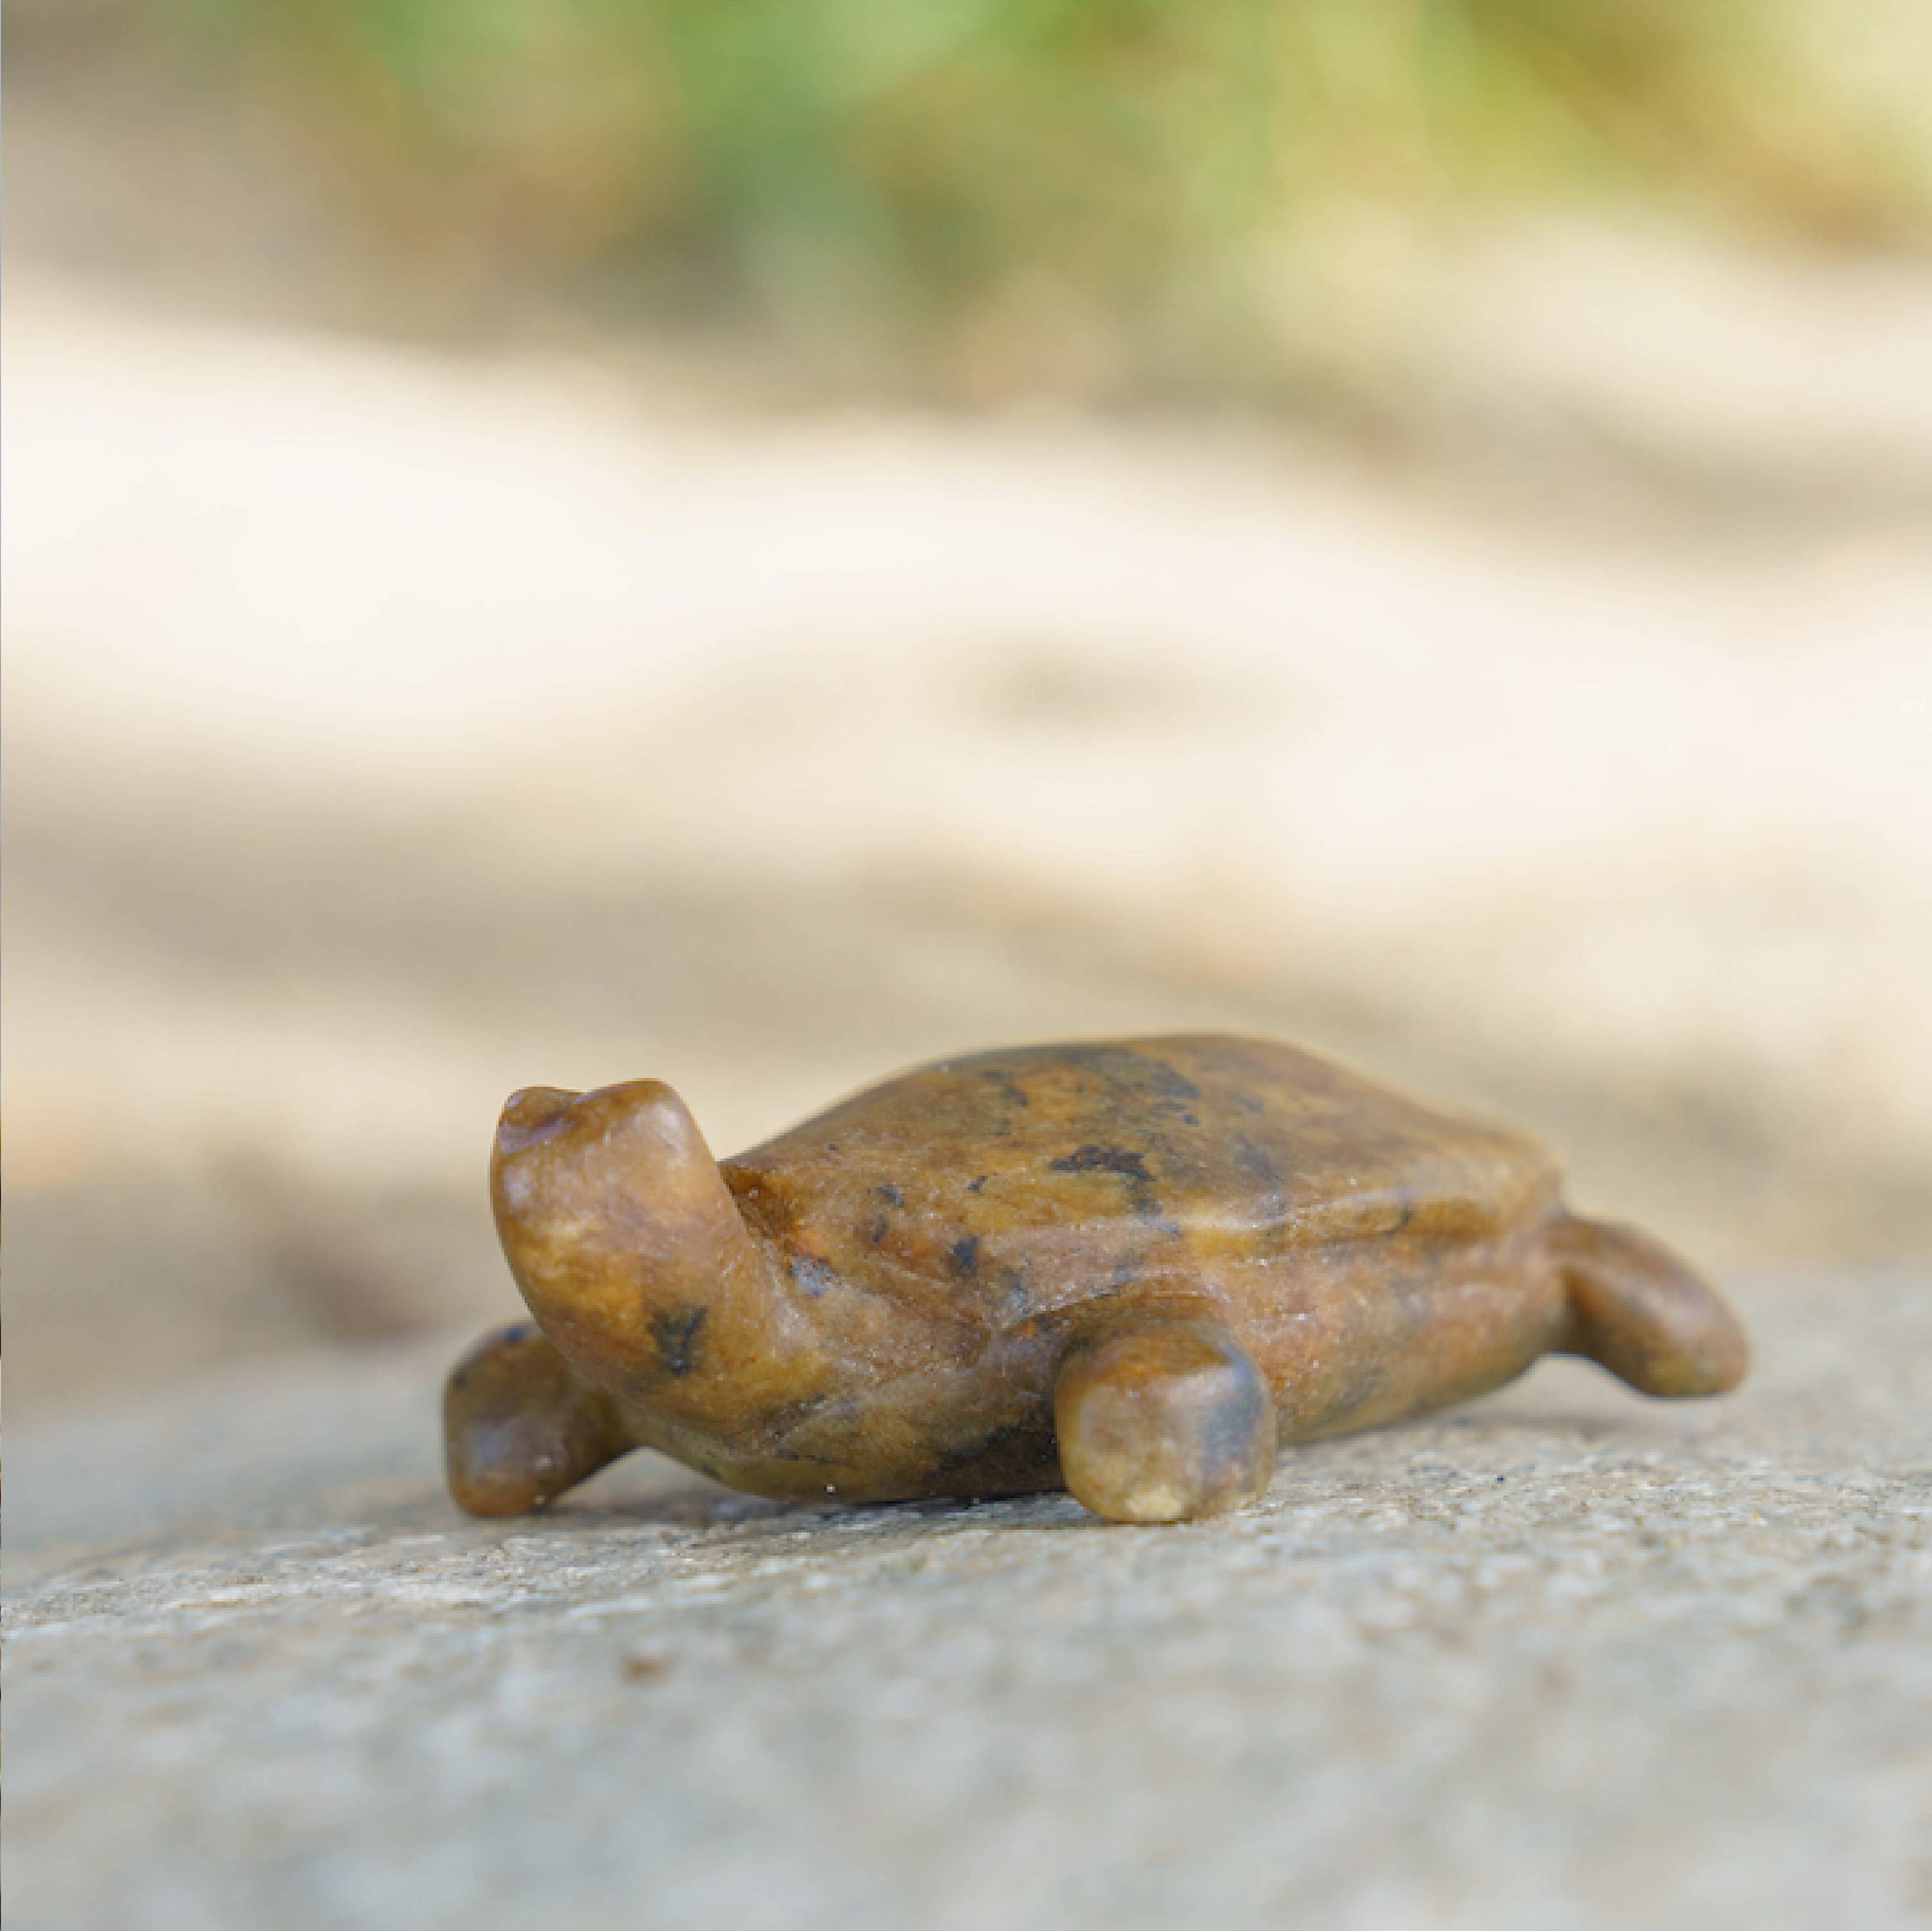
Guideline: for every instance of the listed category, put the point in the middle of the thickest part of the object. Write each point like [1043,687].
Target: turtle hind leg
[520,1424]
[1639,1311]
[1161,1419]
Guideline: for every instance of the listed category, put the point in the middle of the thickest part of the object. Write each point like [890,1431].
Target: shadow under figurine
[1132,1270]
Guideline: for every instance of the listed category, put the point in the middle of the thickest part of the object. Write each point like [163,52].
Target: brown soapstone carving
[1132,1270]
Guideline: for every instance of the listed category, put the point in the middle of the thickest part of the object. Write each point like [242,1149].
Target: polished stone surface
[892,1301]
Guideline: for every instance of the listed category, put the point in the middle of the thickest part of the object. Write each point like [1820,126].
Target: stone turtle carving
[1131,1269]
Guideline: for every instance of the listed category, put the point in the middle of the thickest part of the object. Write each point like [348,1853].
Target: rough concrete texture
[1562,1658]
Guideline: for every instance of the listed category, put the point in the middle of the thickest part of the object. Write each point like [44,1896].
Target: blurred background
[757,541]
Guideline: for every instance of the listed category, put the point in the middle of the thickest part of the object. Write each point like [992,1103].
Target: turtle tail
[1639,1310]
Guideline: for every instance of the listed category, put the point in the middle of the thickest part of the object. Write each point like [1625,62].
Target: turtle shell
[1011,1183]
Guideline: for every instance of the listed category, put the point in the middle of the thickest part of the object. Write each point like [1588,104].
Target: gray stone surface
[1564,1659]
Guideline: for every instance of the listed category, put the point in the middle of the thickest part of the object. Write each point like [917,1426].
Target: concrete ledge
[1564,1658]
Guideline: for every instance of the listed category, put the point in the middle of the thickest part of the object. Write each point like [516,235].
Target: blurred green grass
[1077,192]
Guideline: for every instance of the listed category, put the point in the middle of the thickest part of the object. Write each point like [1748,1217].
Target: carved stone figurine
[1132,1270]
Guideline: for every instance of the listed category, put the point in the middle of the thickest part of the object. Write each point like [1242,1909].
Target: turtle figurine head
[662,1320]
[617,1226]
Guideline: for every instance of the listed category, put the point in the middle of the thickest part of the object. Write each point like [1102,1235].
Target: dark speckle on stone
[978,1186]
[1014,1095]
[1165,1080]
[1104,1160]
[890,1194]
[814,1277]
[963,1257]
[674,1334]
[1023,1446]
[1131,1168]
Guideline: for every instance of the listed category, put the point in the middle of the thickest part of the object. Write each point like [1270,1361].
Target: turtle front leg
[1163,1418]
[520,1424]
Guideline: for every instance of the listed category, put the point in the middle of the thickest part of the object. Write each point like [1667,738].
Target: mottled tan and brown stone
[1128,1269]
